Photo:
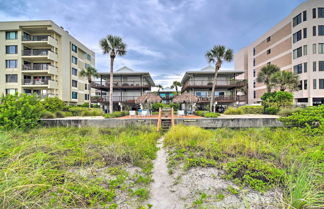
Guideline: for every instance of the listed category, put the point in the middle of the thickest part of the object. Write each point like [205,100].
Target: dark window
[269,51]
[298,69]
[254,84]
[11,91]
[74,83]
[305,32]
[254,94]
[304,15]
[321,83]
[297,20]
[74,71]
[74,95]
[254,62]
[86,97]
[74,48]
[254,72]
[314,66]
[305,84]
[11,78]
[314,30]
[11,63]
[297,36]
[269,39]
[89,57]
[304,100]
[314,13]
[74,60]
[321,30]
[321,48]
[305,67]
[300,86]
[12,35]
[314,84]
[85,86]
[297,53]
[305,49]
[321,65]
[320,12]
[253,51]
[11,49]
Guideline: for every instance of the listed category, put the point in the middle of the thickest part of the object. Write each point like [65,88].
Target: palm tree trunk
[89,87]
[111,85]
[213,89]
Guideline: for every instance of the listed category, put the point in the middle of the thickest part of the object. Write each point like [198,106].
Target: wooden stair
[165,119]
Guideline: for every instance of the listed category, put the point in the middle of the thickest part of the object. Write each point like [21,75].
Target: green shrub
[157,106]
[116,114]
[211,115]
[200,113]
[276,100]
[92,112]
[252,109]
[20,111]
[47,115]
[59,114]
[271,110]
[233,111]
[53,104]
[83,111]
[255,173]
[76,111]
[68,114]
[288,111]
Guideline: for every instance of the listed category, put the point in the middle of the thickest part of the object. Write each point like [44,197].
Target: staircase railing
[159,122]
[172,117]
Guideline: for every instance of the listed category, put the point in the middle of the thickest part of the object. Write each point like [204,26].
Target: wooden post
[172,117]
[159,120]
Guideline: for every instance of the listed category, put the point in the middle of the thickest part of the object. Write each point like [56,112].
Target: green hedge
[116,114]
[252,109]
[207,114]
[233,111]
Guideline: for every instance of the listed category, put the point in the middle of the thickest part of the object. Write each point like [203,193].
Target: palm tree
[218,55]
[89,72]
[160,87]
[285,80]
[265,75]
[113,46]
[175,85]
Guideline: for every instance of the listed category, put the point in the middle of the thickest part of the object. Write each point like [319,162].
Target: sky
[163,37]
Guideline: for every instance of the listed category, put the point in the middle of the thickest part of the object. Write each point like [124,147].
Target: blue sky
[164,37]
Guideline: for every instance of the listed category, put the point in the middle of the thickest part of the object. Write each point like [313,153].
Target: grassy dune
[75,167]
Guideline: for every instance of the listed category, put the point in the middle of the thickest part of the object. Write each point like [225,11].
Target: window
[314,84]
[321,83]
[314,30]
[304,15]
[254,72]
[11,78]
[305,32]
[314,66]
[321,12]
[11,63]
[314,13]
[254,84]
[269,51]
[305,49]
[254,51]
[305,84]
[305,67]
[11,91]
[297,19]
[74,71]
[85,86]
[74,48]
[321,48]
[314,49]
[86,96]
[254,94]
[268,63]
[11,49]
[12,35]
[298,69]
[300,86]
[253,61]
[321,65]
[297,53]
[201,93]
[86,65]
[269,39]
[321,30]
[297,36]
[74,83]
[74,60]
[74,95]
[89,57]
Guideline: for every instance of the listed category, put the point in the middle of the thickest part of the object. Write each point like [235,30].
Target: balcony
[39,68]
[105,99]
[223,99]
[39,54]
[39,83]
[209,84]
[102,85]
[39,40]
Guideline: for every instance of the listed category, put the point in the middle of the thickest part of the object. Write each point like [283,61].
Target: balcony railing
[35,82]
[35,38]
[128,99]
[204,83]
[223,99]
[35,52]
[36,66]
[124,84]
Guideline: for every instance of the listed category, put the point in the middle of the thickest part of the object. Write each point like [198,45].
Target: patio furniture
[132,113]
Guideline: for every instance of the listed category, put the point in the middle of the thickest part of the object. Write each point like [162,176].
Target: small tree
[89,72]
[265,75]
[53,104]
[175,85]
[285,80]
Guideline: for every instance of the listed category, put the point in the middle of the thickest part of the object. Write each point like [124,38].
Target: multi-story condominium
[127,86]
[295,44]
[200,83]
[42,58]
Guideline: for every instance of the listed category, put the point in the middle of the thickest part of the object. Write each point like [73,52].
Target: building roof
[210,70]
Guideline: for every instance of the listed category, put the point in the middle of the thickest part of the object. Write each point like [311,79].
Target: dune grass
[259,158]
[75,167]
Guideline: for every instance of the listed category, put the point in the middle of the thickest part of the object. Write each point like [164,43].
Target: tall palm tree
[89,72]
[113,46]
[285,80]
[218,54]
[175,85]
[265,75]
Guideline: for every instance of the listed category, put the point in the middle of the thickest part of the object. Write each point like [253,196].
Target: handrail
[172,117]
[159,122]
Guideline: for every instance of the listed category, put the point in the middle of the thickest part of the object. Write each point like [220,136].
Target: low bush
[68,114]
[233,111]
[207,114]
[288,111]
[59,114]
[252,109]
[271,110]
[92,112]
[116,114]
[157,106]
[53,104]
[47,115]
[20,111]
[83,111]
[274,101]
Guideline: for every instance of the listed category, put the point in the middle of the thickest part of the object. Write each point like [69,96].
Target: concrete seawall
[201,122]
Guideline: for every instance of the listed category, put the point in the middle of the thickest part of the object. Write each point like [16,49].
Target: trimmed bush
[20,111]
[207,114]
[48,115]
[59,114]
[233,111]
[288,111]
[277,100]
[116,114]
[53,104]
[252,109]
[271,110]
